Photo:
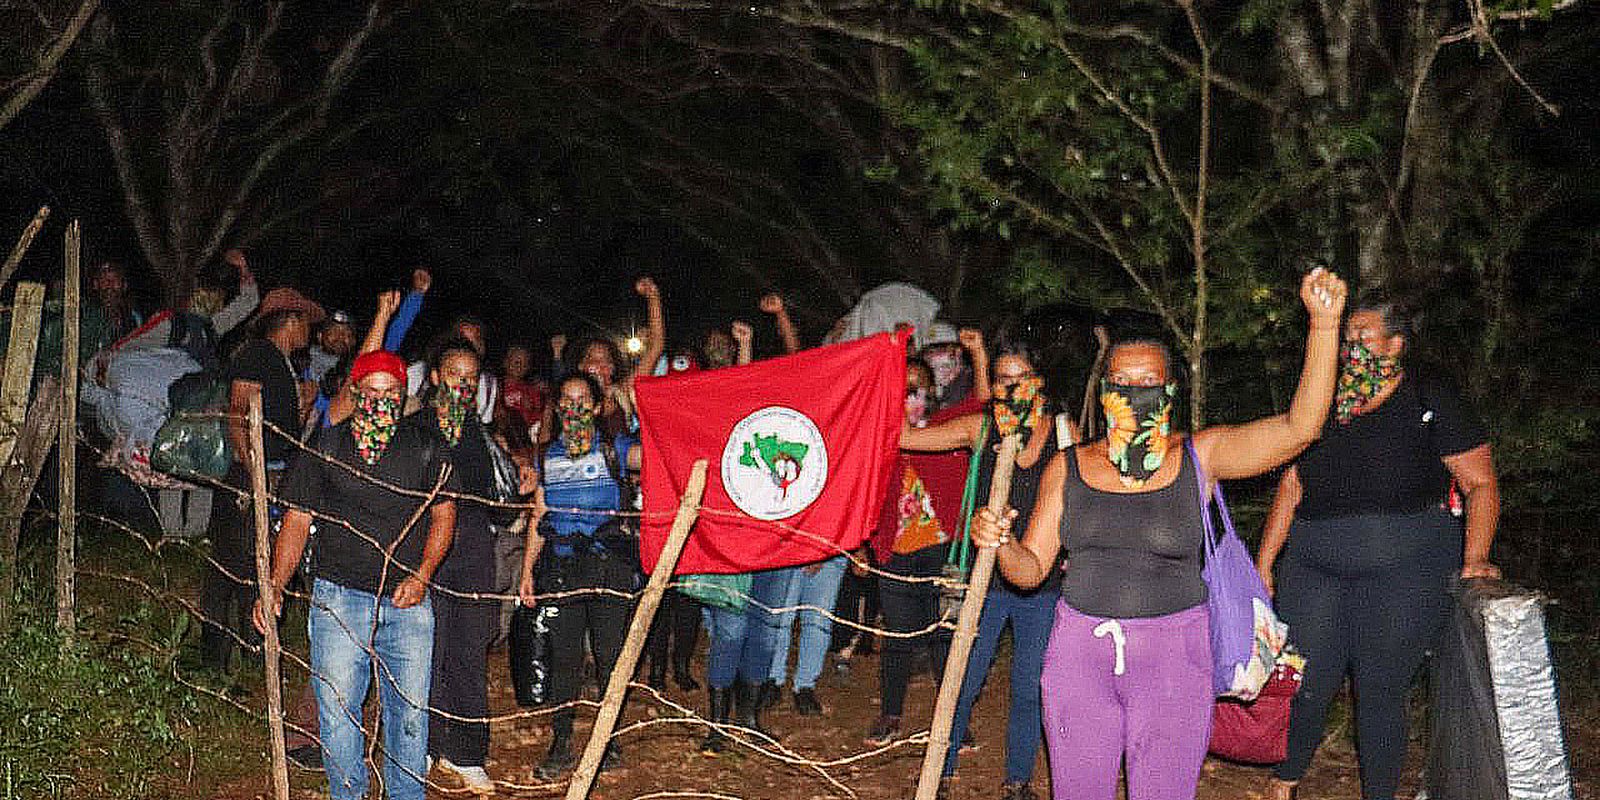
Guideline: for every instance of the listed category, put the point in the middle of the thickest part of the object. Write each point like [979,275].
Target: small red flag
[805,441]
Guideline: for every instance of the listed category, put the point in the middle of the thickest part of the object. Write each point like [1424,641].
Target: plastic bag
[1496,728]
[529,648]
[190,444]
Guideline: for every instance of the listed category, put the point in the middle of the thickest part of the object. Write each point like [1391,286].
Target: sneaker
[805,702]
[307,757]
[473,779]
[883,731]
[1017,791]
[969,741]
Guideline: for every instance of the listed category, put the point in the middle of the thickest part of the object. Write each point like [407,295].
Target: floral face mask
[577,427]
[1362,374]
[453,404]
[1138,428]
[1019,407]
[374,423]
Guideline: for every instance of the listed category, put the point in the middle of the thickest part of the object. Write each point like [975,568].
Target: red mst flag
[803,441]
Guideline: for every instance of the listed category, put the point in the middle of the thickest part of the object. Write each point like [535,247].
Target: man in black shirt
[371,574]
[262,364]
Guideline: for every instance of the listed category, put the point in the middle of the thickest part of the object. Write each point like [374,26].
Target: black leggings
[1366,596]
[676,628]
[910,607]
[462,630]
[603,617]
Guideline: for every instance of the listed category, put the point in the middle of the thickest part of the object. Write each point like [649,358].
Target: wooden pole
[24,241]
[617,688]
[67,444]
[955,666]
[15,383]
[271,646]
[1086,420]
[26,308]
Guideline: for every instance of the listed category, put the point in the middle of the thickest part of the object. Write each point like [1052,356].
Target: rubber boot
[721,711]
[558,761]
[746,707]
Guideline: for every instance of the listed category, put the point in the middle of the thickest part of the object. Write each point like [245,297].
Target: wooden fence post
[271,647]
[15,383]
[955,666]
[67,444]
[649,601]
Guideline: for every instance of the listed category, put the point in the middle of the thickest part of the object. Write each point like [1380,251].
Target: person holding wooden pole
[1127,671]
[1018,407]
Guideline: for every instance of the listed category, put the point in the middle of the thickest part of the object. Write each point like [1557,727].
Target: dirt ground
[664,757]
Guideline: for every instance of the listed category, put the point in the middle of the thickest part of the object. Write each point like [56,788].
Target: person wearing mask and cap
[370,578]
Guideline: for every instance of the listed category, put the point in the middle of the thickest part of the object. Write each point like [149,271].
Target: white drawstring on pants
[1113,628]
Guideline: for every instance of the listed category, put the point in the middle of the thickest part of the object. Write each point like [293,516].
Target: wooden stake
[1086,420]
[14,260]
[955,666]
[18,378]
[271,646]
[617,688]
[67,444]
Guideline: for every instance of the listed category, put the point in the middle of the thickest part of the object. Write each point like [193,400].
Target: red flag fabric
[805,441]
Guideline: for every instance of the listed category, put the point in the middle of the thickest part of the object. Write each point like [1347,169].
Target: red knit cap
[378,361]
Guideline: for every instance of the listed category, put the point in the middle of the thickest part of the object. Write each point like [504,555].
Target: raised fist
[971,339]
[771,303]
[388,302]
[1323,294]
[646,287]
[742,332]
[421,279]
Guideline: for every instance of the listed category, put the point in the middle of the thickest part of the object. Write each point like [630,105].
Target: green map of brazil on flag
[805,441]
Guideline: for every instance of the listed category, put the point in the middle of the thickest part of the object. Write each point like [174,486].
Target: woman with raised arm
[1371,548]
[1127,671]
[1017,392]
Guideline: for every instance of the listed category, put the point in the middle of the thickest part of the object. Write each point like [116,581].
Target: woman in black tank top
[1029,612]
[1127,671]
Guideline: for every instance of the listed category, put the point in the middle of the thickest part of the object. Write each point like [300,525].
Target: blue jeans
[819,590]
[741,640]
[340,623]
[1031,616]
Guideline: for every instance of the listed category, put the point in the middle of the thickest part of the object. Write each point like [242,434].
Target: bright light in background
[634,345]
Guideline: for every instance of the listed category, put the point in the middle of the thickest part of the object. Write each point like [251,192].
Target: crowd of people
[386,472]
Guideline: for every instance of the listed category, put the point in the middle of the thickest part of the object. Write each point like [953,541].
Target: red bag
[1256,732]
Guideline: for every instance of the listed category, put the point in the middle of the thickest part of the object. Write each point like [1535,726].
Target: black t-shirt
[339,498]
[1388,460]
[469,566]
[260,361]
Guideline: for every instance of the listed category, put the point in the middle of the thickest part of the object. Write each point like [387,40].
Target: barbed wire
[755,741]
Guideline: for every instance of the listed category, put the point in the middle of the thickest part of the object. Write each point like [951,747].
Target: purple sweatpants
[1139,688]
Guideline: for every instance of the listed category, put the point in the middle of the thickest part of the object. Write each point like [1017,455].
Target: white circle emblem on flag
[775,463]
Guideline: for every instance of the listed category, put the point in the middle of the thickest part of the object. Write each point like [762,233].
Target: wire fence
[668,713]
